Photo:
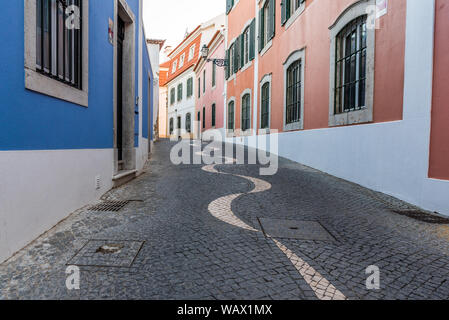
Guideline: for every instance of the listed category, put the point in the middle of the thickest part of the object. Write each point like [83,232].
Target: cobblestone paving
[181,250]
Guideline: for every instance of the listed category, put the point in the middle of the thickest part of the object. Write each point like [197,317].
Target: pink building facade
[209,110]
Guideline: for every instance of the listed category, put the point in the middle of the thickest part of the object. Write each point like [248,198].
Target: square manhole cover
[295,229]
[107,253]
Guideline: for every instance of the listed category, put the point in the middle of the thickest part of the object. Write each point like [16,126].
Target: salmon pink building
[210,81]
[355,88]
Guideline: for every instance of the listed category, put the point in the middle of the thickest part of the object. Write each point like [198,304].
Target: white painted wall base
[385,157]
[40,188]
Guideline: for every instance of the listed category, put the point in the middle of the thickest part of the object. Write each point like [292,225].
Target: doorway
[120,40]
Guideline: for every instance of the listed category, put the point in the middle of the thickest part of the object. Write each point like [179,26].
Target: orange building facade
[355,88]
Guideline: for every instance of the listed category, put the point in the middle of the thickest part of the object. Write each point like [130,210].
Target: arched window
[350,66]
[231,116]
[171,126]
[188,123]
[246,112]
[293,103]
[265,106]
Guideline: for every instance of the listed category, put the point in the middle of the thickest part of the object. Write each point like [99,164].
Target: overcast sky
[169,19]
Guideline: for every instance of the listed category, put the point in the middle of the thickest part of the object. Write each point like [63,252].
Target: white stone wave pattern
[222,210]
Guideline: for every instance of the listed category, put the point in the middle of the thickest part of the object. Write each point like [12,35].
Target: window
[174,66]
[188,123]
[265,106]
[352,51]
[350,67]
[231,59]
[231,116]
[179,92]
[189,87]
[213,115]
[267,23]
[59,48]
[181,60]
[214,74]
[289,8]
[179,123]
[246,112]
[192,52]
[199,87]
[172,96]
[204,117]
[293,112]
[171,126]
[204,81]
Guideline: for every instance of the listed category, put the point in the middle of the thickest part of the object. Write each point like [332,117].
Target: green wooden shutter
[284,4]
[272,19]
[242,50]
[261,28]
[236,55]
[252,39]
[228,6]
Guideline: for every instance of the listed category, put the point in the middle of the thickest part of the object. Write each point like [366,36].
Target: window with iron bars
[265,103]
[293,112]
[350,67]
[246,112]
[59,40]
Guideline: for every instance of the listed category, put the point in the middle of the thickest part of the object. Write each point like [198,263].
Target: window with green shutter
[204,81]
[231,116]
[289,7]
[180,92]
[246,112]
[189,87]
[172,96]
[252,39]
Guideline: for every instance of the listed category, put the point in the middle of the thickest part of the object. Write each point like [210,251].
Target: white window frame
[230,132]
[293,57]
[295,13]
[40,83]
[181,60]
[192,52]
[248,131]
[365,115]
[174,66]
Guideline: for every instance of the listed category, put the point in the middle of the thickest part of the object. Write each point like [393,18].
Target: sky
[169,19]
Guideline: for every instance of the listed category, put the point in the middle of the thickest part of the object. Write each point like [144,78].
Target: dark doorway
[120,39]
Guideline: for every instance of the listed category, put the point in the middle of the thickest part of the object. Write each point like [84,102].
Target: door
[120,39]
[199,125]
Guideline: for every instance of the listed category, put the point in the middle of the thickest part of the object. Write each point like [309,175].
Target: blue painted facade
[33,121]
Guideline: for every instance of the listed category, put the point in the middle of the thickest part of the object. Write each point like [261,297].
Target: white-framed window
[294,91]
[245,102]
[231,59]
[180,92]
[181,60]
[174,66]
[57,48]
[352,67]
[188,122]
[231,115]
[265,101]
[291,9]
[192,51]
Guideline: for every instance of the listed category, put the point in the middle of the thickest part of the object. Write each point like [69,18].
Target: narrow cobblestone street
[222,232]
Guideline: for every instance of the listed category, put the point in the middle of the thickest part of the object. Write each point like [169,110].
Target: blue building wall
[147,83]
[33,121]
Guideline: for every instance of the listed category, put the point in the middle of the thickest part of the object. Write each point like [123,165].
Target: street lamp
[217,62]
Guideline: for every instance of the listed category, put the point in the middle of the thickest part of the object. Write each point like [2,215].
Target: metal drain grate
[295,229]
[109,206]
[422,216]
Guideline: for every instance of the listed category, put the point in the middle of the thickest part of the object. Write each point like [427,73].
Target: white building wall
[186,105]
[40,188]
[390,157]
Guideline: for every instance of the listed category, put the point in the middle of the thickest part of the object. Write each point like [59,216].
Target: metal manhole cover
[107,253]
[295,229]
[422,216]
[109,205]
